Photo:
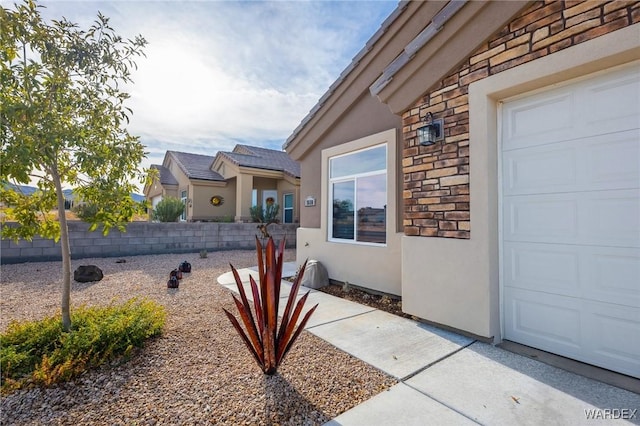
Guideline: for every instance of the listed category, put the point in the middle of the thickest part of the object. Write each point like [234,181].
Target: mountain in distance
[68,193]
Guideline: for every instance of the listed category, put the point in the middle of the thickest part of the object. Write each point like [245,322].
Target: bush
[168,209]
[269,214]
[85,212]
[41,352]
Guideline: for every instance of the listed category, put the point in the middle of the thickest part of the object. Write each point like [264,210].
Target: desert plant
[85,212]
[268,214]
[168,209]
[42,352]
[265,341]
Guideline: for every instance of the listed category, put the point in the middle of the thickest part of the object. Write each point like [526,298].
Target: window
[183,198]
[358,194]
[287,208]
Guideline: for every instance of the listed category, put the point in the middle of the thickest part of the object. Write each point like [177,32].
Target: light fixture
[432,131]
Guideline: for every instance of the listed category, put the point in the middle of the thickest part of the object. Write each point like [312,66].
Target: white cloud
[222,72]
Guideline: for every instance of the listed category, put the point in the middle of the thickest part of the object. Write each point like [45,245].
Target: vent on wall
[309,202]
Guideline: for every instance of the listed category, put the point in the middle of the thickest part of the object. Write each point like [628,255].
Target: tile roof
[263,158]
[196,166]
[166,178]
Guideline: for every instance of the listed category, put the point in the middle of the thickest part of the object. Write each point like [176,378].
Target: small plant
[203,254]
[168,209]
[41,352]
[265,341]
[268,214]
[85,212]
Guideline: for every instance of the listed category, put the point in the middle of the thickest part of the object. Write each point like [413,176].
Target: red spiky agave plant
[267,343]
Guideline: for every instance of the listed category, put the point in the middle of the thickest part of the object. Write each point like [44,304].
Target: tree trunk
[66,254]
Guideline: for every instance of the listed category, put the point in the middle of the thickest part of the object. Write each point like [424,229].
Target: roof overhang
[453,34]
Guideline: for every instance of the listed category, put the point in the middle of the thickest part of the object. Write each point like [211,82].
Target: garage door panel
[616,336]
[522,170]
[598,163]
[542,267]
[612,161]
[611,275]
[543,323]
[610,218]
[523,124]
[611,102]
[541,219]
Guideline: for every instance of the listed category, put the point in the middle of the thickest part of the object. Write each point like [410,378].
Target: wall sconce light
[432,131]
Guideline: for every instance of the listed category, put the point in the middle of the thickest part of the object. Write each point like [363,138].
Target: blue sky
[218,73]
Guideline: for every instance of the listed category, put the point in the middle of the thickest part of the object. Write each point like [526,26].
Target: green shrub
[41,352]
[168,209]
[85,212]
[268,214]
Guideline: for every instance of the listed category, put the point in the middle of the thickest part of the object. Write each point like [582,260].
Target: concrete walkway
[445,378]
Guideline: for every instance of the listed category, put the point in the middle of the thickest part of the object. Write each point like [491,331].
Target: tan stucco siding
[366,117]
[203,209]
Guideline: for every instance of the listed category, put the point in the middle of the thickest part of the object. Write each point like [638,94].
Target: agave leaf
[291,300]
[303,323]
[271,320]
[287,330]
[244,337]
[260,262]
[245,315]
[243,295]
[256,305]
[279,265]
[270,358]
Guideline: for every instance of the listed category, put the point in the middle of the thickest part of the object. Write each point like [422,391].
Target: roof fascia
[450,43]
[258,172]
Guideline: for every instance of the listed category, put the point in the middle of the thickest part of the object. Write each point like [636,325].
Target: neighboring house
[522,222]
[229,184]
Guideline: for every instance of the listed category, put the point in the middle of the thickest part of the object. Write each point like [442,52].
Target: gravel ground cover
[197,372]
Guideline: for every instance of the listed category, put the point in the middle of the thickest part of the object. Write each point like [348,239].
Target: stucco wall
[144,238]
[203,209]
[366,117]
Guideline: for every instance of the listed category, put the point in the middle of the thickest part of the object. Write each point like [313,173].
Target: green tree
[168,209]
[62,120]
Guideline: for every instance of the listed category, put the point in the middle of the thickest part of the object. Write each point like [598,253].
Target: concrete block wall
[144,238]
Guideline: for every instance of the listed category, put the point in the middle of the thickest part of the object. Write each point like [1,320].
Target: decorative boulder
[87,273]
[315,275]
[173,282]
[185,267]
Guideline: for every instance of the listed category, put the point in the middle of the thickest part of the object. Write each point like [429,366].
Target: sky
[219,73]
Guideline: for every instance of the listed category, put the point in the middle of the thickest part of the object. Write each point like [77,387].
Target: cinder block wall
[144,238]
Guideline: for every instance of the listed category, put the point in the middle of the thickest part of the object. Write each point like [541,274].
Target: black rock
[87,273]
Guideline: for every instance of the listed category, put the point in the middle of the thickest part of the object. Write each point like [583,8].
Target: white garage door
[571,220]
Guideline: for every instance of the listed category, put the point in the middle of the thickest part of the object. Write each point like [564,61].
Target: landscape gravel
[197,372]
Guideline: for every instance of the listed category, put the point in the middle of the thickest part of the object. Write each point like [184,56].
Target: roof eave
[447,43]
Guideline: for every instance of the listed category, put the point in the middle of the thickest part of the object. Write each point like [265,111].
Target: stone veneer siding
[144,238]
[436,178]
